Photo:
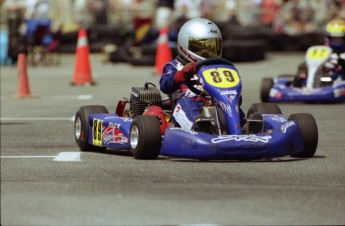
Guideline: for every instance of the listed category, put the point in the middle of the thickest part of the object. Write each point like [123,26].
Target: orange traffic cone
[163,54]
[23,89]
[82,69]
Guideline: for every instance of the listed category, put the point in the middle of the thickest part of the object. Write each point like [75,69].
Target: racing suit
[188,105]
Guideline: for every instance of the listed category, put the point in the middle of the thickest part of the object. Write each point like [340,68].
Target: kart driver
[335,39]
[188,105]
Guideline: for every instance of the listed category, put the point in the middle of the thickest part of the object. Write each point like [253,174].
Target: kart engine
[141,97]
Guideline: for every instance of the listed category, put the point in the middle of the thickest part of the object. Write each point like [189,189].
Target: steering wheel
[191,83]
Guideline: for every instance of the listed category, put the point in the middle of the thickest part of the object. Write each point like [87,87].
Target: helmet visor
[205,47]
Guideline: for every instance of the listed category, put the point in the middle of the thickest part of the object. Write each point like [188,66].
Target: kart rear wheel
[264,108]
[81,126]
[309,132]
[145,137]
[266,86]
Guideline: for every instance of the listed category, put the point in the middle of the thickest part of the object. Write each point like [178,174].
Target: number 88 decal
[222,77]
[97,132]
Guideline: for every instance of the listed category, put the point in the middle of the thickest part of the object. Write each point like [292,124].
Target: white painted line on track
[68,157]
[37,119]
[84,97]
[25,156]
[60,97]
[61,157]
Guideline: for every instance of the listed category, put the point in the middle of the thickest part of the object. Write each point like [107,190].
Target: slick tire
[266,86]
[264,108]
[145,137]
[81,126]
[309,132]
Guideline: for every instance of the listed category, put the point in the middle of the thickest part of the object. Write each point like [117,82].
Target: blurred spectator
[143,21]
[254,11]
[207,9]
[38,9]
[67,23]
[123,11]
[15,11]
[230,6]
[299,16]
[269,10]
[99,11]
[164,13]
[188,9]
[336,9]
[307,17]
[82,14]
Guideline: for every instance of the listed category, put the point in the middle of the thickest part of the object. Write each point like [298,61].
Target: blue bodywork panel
[281,92]
[283,138]
[109,130]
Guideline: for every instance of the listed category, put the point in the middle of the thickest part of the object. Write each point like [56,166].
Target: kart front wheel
[266,86]
[145,137]
[81,126]
[309,132]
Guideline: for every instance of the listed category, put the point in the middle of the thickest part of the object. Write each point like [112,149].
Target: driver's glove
[187,72]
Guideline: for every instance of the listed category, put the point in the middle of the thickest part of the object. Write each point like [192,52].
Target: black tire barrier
[274,41]
[300,42]
[239,32]
[140,56]
[143,61]
[245,50]
[151,49]
[241,43]
[110,34]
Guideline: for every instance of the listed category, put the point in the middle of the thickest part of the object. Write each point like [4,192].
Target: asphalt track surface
[45,180]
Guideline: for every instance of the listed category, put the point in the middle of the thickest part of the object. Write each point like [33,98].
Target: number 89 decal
[221,77]
[97,132]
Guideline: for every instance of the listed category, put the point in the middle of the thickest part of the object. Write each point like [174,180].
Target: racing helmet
[335,35]
[199,39]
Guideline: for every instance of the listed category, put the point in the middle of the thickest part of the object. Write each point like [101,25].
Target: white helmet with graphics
[199,39]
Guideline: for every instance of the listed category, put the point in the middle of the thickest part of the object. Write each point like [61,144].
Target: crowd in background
[290,16]
[280,16]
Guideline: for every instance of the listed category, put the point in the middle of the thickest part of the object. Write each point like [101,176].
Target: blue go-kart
[142,124]
[319,86]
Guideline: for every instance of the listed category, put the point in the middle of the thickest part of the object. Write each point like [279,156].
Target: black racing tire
[266,86]
[264,108]
[309,131]
[145,137]
[81,126]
